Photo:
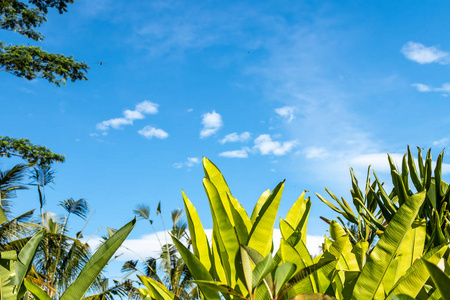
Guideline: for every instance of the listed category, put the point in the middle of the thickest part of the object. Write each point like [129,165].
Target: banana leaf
[384,252]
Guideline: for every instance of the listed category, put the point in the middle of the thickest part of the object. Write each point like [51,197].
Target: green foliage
[239,261]
[171,271]
[14,267]
[32,62]
[23,148]
[375,207]
[92,268]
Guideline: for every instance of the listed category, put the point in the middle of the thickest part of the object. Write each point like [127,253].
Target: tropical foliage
[167,268]
[390,260]
[386,245]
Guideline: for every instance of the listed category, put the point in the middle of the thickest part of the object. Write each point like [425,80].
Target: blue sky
[267,90]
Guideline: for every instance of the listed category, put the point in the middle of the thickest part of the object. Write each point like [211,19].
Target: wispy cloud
[190,162]
[212,122]
[150,132]
[441,143]
[423,88]
[286,112]
[315,152]
[425,55]
[266,146]
[243,153]
[235,137]
[141,109]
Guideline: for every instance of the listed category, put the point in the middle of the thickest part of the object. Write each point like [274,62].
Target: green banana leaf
[440,279]
[14,267]
[416,276]
[262,269]
[259,204]
[247,268]
[384,252]
[199,240]
[412,247]
[198,271]
[226,235]
[290,254]
[213,175]
[3,218]
[282,274]
[261,235]
[297,216]
[23,263]
[299,276]
[157,289]
[219,287]
[96,263]
[36,290]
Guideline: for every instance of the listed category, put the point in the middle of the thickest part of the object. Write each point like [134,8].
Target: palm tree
[168,267]
[60,258]
[12,230]
[11,181]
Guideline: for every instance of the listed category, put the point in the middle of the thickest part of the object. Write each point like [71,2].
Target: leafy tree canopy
[32,62]
[34,154]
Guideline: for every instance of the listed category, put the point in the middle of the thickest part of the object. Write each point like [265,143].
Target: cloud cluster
[441,143]
[286,112]
[423,88]
[212,122]
[235,137]
[141,109]
[190,162]
[425,55]
[129,116]
[315,152]
[149,132]
[243,153]
[266,146]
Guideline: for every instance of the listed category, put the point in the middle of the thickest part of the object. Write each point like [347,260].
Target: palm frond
[11,181]
[142,212]
[79,208]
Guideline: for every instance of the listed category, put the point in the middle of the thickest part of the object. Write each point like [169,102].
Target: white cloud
[287,112]
[115,123]
[212,122]
[147,107]
[133,115]
[316,152]
[424,55]
[235,137]
[149,132]
[190,110]
[265,145]
[177,165]
[190,162]
[441,143]
[378,161]
[141,109]
[235,153]
[421,87]
[445,88]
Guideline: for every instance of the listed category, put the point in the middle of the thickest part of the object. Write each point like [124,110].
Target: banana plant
[278,280]
[394,267]
[14,267]
[222,259]
[375,207]
[90,271]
